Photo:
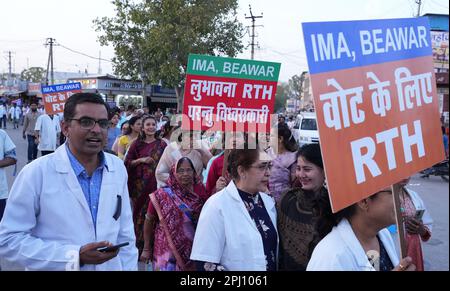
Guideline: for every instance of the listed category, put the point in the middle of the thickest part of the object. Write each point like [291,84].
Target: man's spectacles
[264,167]
[89,123]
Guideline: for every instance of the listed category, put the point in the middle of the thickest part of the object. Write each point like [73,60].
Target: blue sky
[26,24]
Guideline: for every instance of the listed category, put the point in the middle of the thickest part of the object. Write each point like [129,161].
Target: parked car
[305,129]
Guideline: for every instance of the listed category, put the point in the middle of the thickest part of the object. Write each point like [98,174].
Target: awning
[12,93]
[164,100]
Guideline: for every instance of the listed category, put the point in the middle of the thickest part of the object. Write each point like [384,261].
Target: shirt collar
[78,167]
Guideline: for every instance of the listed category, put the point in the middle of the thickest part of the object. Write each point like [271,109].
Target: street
[434,191]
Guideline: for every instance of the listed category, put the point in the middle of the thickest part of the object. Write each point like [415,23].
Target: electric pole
[99,62]
[51,42]
[253,18]
[419,3]
[9,70]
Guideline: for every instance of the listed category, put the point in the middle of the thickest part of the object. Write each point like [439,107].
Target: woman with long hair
[303,211]
[124,130]
[141,161]
[135,125]
[283,176]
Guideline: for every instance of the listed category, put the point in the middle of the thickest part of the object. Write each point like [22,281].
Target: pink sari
[413,241]
[178,211]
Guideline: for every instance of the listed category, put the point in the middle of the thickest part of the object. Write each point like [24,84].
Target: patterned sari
[413,241]
[142,181]
[178,210]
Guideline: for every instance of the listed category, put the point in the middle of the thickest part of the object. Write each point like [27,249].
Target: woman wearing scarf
[304,213]
[172,218]
[141,161]
[418,229]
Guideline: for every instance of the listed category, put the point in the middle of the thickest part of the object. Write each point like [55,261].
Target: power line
[439,4]
[13,41]
[83,54]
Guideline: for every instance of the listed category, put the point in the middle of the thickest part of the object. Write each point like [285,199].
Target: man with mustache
[65,206]
[47,133]
[28,131]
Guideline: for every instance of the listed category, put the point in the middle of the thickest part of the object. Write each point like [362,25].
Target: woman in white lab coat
[360,241]
[237,225]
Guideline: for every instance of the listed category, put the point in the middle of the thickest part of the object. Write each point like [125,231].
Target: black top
[385,261]
[261,218]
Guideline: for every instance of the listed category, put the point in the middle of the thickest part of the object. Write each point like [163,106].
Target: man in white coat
[47,132]
[3,115]
[65,206]
[7,158]
[15,113]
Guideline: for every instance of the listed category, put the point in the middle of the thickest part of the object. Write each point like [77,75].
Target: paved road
[434,191]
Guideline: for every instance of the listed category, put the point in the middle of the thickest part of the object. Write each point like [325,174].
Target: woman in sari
[172,219]
[188,145]
[141,161]
[418,228]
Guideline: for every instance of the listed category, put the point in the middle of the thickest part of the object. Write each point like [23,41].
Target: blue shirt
[90,185]
[113,133]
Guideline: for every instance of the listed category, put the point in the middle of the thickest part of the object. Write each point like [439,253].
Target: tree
[296,85]
[33,74]
[152,39]
[283,93]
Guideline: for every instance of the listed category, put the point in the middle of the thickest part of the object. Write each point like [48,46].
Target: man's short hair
[79,98]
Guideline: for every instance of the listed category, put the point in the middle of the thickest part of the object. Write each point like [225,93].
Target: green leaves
[33,74]
[153,38]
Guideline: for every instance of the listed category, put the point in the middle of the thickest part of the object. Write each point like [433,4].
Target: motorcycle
[440,170]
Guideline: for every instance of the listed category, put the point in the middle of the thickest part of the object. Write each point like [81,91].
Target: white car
[305,129]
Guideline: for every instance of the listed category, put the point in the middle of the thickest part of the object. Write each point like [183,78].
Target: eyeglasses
[89,123]
[183,171]
[264,167]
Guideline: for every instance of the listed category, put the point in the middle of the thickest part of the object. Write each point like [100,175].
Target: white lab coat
[2,110]
[227,235]
[47,218]
[15,112]
[6,145]
[340,250]
[48,132]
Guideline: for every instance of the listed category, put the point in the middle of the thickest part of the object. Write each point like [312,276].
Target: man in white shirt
[14,113]
[47,133]
[7,158]
[3,114]
[41,109]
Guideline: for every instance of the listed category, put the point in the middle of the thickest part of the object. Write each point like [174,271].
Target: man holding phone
[65,206]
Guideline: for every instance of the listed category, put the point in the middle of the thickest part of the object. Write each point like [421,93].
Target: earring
[325,184]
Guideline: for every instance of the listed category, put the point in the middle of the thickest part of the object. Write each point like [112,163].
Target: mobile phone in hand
[419,214]
[112,248]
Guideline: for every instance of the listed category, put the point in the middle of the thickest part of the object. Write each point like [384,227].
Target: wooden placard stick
[396,190]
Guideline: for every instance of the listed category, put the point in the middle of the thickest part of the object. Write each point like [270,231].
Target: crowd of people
[131,177]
